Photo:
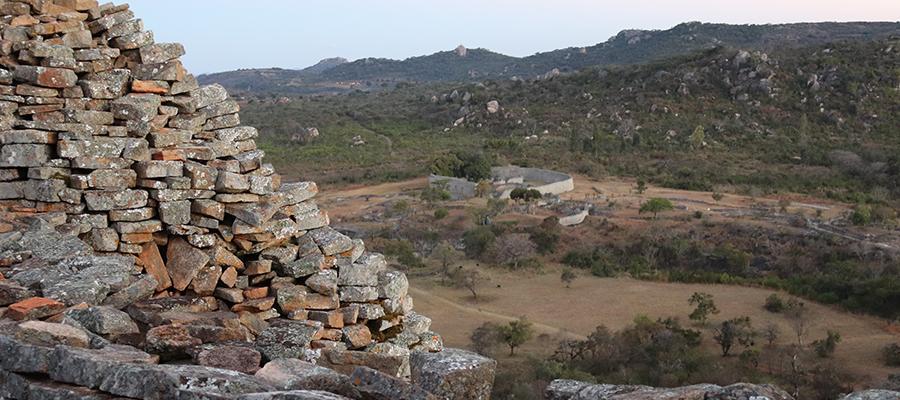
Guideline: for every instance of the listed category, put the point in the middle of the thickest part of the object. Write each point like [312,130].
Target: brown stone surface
[153,265]
[34,308]
[184,262]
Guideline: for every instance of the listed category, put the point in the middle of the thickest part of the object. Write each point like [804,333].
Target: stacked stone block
[105,129]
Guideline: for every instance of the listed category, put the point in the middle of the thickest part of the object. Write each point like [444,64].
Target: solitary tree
[770,333]
[516,333]
[641,186]
[798,315]
[446,255]
[469,279]
[825,348]
[568,276]
[704,307]
[737,331]
[656,206]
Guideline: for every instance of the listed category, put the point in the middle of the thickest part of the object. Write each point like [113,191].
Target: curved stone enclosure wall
[542,180]
[106,129]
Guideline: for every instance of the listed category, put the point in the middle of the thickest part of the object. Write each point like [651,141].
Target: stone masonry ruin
[142,227]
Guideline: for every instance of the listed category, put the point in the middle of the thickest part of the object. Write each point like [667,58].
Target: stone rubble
[148,251]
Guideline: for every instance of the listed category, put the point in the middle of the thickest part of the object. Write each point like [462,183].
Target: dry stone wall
[106,137]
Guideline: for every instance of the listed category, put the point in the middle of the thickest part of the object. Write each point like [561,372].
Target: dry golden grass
[558,312]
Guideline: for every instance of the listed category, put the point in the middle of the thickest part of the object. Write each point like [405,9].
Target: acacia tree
[656,206]
[512,248]
[516,333]
[469,279]
[704,307]
[799,316]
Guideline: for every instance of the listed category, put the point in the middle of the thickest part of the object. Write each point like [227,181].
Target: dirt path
[489,316]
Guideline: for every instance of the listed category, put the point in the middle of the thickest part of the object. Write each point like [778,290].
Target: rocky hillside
[628,47]
[574,390]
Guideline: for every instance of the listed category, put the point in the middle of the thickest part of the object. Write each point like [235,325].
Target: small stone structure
[143,228]
[505,179]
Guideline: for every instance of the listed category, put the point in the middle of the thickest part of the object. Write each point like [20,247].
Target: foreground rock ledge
[574,390]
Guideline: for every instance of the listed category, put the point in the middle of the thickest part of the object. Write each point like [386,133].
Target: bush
[891,355]
[441,213]
[404,252]
[774,304]
[825,348]
[862,215]
[478,240]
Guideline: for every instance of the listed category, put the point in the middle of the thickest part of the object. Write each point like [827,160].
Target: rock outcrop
[148,251]
[574,390]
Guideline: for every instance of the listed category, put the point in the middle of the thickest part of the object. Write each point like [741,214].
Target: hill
[820,119]
[472,65]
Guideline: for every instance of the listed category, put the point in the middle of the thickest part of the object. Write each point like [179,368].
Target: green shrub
[825,348]
[477,240]
[441,213]
[774,304]
[862,215]
[891,355]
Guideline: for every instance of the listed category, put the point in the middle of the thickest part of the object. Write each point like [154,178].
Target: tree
[485,337]
[770,333]
[568,276]
[656,206]
[477,240]
[641,186]
[446,254]
[825,348]
[736,331]
[546,235]
[472,166]
[469,279]
[717,197]
[441,213]
[512,248]
[705,306]
[698,137]
[799,317]
[516,333]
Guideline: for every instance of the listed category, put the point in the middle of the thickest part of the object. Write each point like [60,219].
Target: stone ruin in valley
[144,232]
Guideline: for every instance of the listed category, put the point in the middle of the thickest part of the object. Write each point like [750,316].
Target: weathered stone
[142,289]
[79,289]
[106,85]
[153,264]
[298,192]
[161,52]
[34,308]
[235,358]
[11,293]
[208,95]
[324,282]
[24,155]
[574,390]
[22,356]
[357,275]
[175,212]
[170,341]
[357,336]
[104,321]
[184,262]
[303,267]
[159,169]
[90,368]
[115,200]
[46,77]
[50,334]
[376,385]
[453,374]
[207,278]
[292,374]
[358,294]
[285,339]
[179,381]
[392,285]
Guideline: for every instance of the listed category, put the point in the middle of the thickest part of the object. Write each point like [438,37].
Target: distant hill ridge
[628,47]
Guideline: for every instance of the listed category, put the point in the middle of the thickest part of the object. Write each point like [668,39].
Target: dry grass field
[575,312]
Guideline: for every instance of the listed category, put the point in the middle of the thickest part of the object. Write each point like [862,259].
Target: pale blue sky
[230,34]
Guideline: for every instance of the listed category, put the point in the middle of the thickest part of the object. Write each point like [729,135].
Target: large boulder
[454,374]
